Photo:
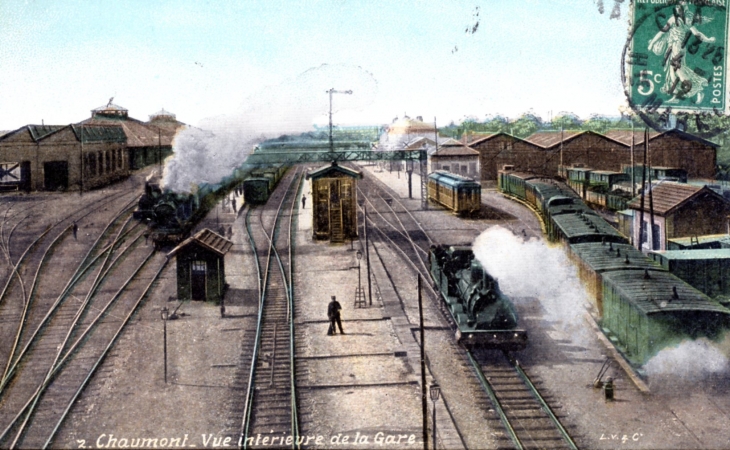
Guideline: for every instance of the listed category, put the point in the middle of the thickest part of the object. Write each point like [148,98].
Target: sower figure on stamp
[333,312]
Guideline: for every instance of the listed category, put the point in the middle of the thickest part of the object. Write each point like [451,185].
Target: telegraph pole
[330,92]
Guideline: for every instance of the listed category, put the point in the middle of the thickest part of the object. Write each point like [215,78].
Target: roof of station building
[668,196]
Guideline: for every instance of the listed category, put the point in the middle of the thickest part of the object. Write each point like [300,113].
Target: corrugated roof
[624,136]
[138,133]
[719,253]
[603,257]
[455,150]
[655,294]
[38,132]
[208,239]
[547,139]
[99,133]
[666,196]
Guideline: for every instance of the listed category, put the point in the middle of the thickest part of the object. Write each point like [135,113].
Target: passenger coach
[459,194]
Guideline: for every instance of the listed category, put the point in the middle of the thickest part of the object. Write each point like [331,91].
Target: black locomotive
[483,315]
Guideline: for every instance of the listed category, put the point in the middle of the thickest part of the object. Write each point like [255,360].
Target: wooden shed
[200,266]
[334,207]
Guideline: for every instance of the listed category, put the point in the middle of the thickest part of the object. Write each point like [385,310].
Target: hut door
[336,232]
[197,280]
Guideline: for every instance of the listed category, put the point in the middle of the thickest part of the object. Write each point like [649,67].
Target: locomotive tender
[641,306]
[483,315]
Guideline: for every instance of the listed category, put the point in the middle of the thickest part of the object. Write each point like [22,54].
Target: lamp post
[409,169]
[164,314]
[435,392]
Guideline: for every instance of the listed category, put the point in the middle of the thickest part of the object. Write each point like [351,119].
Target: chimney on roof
[675,296]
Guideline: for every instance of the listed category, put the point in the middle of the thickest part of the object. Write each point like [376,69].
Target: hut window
[199,266]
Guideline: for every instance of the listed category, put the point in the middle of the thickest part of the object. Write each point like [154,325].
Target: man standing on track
[333,313]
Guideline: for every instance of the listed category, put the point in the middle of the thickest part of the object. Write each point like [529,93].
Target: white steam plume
[690,360]
[210,152]
[534,269]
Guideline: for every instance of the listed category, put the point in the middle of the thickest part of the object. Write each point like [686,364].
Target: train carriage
[649,311]
[594,259]
[461,195]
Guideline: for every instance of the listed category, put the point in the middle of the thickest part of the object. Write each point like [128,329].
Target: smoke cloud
[210,152]
[691,360]
[535,269]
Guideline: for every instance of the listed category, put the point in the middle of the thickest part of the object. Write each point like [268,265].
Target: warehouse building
[49,157]
[545,152]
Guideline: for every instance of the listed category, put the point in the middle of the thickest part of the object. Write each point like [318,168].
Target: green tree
[527,124]
[566,121]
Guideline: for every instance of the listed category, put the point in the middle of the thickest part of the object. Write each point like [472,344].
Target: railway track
[23,281]
[70,333]
[527,411]
[530,421]
[270,404]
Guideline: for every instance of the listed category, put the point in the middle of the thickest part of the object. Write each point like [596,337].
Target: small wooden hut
[334,202]
[200,266]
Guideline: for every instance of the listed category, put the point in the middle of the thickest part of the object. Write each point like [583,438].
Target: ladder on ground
[360,301]
[336,233]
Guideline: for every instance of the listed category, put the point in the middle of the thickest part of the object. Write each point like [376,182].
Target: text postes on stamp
[675,59]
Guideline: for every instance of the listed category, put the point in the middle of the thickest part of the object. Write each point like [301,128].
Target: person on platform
[304,201]
[333,313]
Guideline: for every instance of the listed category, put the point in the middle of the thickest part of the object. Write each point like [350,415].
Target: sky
[59,59]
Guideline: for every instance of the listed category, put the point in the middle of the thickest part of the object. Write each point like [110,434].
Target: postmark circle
[673,65]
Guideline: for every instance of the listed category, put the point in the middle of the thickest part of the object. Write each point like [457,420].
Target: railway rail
[530,421]
[59,346]
[405,235]
[270,406]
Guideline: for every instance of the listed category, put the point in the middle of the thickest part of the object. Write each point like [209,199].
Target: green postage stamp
[677,55]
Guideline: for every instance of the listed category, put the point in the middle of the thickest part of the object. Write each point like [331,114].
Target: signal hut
[200,268]
[334,202]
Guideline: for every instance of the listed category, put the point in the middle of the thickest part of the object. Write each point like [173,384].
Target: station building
[147,142]
[49,157]
[678,210]
[455,158]
[86,155]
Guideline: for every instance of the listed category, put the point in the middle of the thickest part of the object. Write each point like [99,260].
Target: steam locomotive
[483,315]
